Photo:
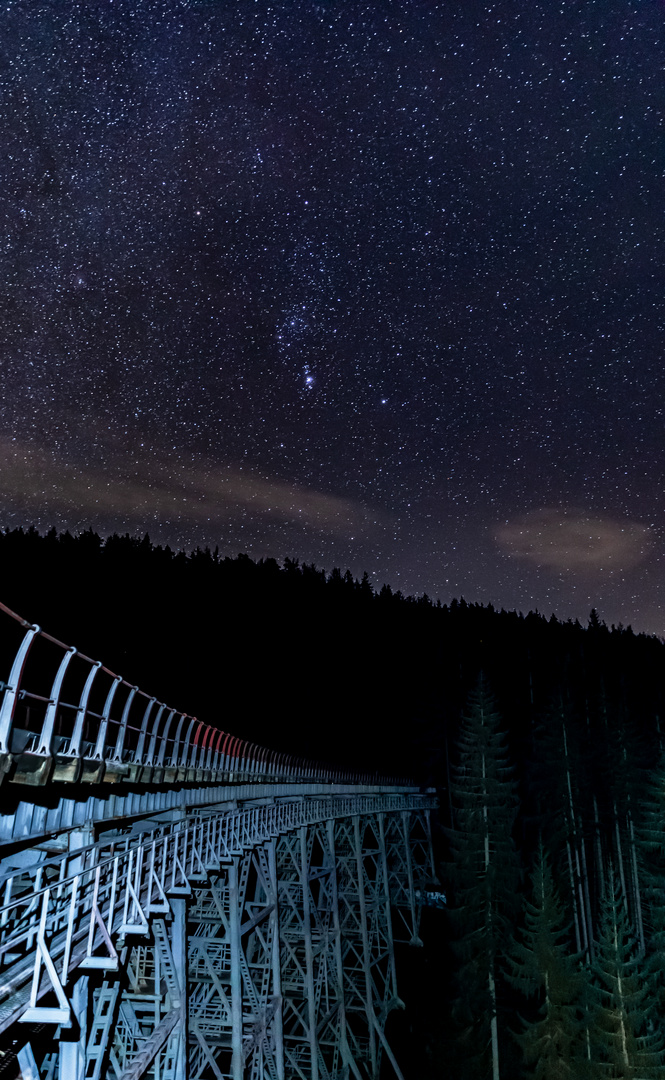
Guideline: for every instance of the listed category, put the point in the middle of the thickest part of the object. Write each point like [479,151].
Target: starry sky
[373,285]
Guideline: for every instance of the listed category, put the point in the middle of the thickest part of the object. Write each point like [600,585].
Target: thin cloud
[573,540]
[134,494]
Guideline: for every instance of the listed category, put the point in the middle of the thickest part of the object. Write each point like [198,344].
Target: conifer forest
[544,740]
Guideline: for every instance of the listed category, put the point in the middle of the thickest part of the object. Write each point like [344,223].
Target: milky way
[371,285]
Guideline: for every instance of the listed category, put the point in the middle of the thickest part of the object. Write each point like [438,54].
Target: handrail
[45,739]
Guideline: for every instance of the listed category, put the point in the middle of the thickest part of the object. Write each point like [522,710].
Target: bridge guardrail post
[10,697]
[95,772]
[68,761]
[115,769]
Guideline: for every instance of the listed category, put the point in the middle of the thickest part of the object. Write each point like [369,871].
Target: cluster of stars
[407,255]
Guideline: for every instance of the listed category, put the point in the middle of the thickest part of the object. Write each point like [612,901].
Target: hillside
[323,665]
[297,659]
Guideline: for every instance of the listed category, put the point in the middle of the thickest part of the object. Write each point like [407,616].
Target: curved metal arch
[224,753]
[185,746]
[138,753]
[100,744]
[208,760]
[215,762]
[77,734]
[164,739]
[150,753]
[176,741]
[12,689]
[249,759]
[46,735]
[120,739]
[207,734]
[240,754]
[232,751]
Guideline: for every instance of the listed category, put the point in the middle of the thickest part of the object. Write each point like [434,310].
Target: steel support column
[236,899]
[179,948]
[276,968]
[345,1051]
[309,954]
[366,953]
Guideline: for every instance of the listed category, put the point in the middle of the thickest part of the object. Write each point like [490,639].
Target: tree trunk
[583,922]
[450,793]
[587,898]
[494,1026]
[585,930]
[636,878]
[599,849]
[622,874]
[578,944]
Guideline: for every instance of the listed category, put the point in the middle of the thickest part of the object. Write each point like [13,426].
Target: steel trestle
[220,912]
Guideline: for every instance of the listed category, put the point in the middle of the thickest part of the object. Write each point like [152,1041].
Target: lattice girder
[195,951]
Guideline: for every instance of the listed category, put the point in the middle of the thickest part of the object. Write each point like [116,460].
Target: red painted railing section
[65,717]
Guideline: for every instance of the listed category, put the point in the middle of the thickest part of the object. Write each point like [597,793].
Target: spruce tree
[543,967]
[557,781]
[484,875]
[625,1038]
[651,846]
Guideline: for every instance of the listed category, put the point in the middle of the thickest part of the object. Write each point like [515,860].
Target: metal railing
[66,717]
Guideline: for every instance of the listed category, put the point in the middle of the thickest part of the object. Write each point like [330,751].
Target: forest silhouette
[318,663]
[325,666]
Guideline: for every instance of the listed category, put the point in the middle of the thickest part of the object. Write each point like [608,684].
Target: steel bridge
[180,904]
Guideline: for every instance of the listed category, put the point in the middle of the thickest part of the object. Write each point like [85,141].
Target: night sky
[373,285]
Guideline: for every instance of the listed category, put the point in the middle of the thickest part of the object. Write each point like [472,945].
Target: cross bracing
[223,928]
[281,915]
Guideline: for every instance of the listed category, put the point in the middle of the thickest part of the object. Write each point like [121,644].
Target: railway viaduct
[179,904]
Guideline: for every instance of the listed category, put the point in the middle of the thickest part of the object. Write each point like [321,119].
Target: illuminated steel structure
[212,910]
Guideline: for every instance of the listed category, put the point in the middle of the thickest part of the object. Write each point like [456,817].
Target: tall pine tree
[542,967]
[651,846]
[484,875]
[625,1036]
